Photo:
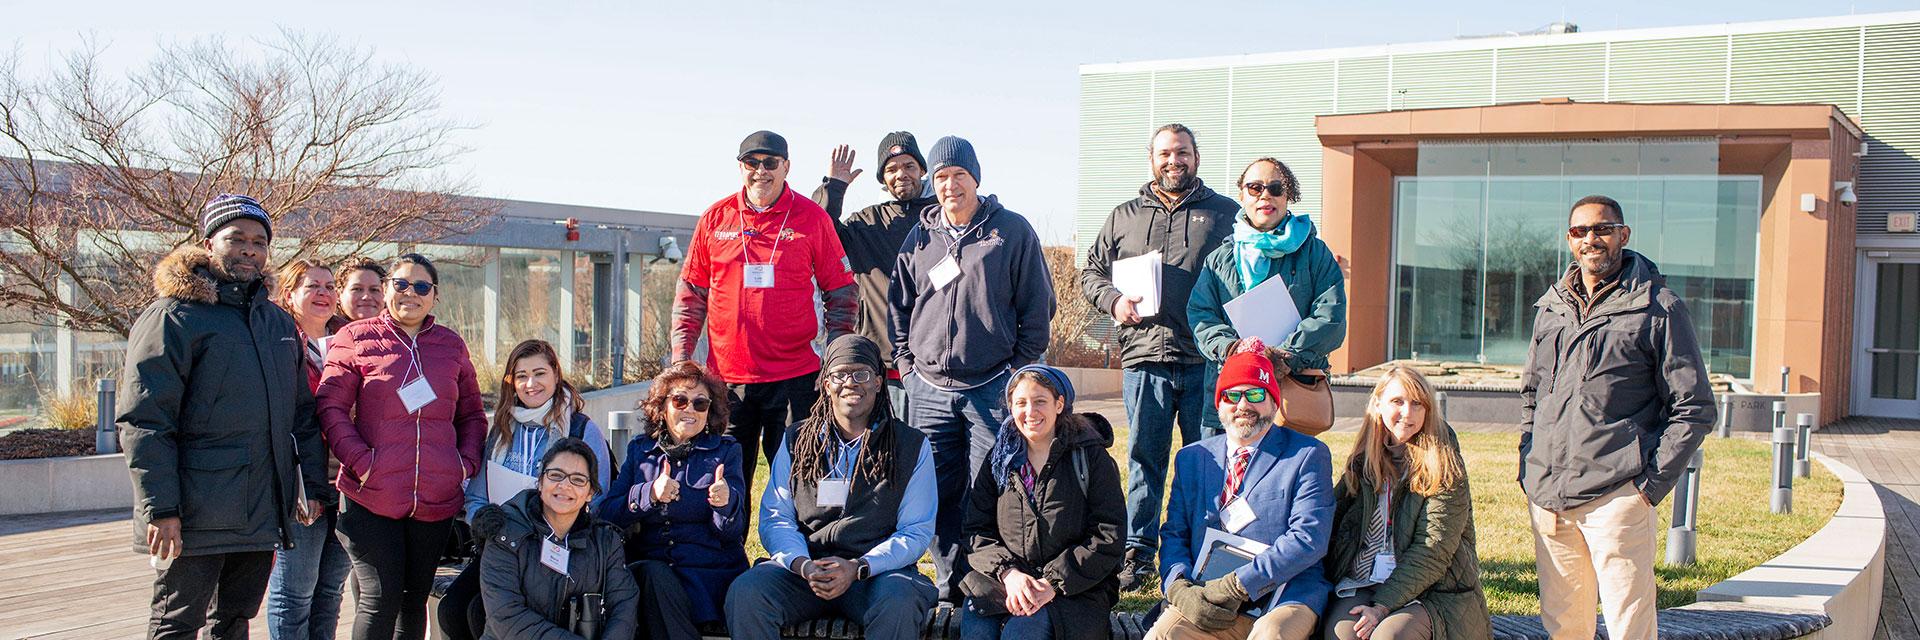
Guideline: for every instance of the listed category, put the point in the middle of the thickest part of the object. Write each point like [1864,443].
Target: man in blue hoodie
[972,301]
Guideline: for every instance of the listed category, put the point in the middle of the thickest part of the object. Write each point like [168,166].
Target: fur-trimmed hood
[187,274]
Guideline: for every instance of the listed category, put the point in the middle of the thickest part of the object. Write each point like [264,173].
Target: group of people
[925,424]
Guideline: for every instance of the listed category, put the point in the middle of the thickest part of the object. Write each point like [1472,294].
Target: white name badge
[553,555]
[416,394]
[1236,516]
[944,272]
[831,493]
[1383,565]
[759,276]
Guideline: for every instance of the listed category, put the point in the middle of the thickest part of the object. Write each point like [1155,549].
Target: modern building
[1772,169]
[600,290]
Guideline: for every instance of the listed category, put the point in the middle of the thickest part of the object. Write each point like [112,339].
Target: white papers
[1140,276]
[503,483]
[1265,312]
[1221,553]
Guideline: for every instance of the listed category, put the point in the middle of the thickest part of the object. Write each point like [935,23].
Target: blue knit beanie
[953,151]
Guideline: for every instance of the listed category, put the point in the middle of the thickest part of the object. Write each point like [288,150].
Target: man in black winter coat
[1165,381]
[872,236]
[218,427]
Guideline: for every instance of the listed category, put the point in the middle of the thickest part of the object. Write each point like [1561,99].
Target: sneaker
[1136,570]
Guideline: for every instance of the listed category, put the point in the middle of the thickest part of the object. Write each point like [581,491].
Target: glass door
[1887,374]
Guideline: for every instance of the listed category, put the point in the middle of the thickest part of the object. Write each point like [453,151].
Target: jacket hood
[187,274]
[932,218]
[1096,431]
[1200,191]
[1638,278]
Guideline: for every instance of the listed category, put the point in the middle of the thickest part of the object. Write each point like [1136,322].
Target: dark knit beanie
[897,143]
[228,207]
[766,142]
[953,151]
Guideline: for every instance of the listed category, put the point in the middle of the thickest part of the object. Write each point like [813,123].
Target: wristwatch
[864,571]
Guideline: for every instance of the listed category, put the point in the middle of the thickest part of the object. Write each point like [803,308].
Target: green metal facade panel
[1872,72]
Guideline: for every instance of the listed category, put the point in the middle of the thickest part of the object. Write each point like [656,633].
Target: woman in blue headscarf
[1269,239]
[1045,520]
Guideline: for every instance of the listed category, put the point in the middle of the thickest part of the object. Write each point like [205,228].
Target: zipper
[416,466]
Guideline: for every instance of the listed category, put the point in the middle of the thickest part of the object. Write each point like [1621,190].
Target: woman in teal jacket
[1269,239]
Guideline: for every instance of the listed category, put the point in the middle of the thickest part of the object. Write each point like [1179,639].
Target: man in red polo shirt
[749,278]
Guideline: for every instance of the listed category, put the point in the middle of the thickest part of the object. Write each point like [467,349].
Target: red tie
[1236,474]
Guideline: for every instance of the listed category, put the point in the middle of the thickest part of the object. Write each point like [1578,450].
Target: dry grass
[74,411]
[1736,531]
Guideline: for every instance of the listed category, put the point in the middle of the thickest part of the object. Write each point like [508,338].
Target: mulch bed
[46,443]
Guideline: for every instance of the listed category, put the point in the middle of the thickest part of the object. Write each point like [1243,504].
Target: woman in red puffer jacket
[401,409]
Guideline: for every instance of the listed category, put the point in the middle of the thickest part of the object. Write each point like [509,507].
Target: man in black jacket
[1165,379]
[218,427]
[872,236]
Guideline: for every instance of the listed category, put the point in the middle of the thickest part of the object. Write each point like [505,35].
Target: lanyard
[841,460]
[413,352]
[530,440]
[747,235]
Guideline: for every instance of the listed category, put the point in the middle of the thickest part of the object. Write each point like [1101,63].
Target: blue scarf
[1255,250]
[1010,446]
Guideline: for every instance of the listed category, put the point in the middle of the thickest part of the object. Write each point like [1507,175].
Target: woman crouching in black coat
[553,570]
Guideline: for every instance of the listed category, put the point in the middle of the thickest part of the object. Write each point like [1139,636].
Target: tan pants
[1288,622]
[1602,550]
[1406,623]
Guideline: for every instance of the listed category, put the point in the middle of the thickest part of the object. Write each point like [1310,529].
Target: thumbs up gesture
[718,494]
[665,488]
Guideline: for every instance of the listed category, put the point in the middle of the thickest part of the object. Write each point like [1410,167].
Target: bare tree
[101,174]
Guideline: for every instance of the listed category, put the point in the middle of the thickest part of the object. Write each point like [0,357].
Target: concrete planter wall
[1094,383]
[80,483]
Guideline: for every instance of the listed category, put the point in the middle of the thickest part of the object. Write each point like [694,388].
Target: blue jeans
[303,596]
[1158,396]
[960,427]
[979,626]
[889,606]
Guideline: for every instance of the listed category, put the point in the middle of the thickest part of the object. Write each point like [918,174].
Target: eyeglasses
[420,287]
[1261,189]
[1601,230]
[769,163]
[862,376]
[682,402]
[1254,395]
[557,476]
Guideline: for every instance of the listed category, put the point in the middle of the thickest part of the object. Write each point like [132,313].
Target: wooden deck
[1888,452]
[75,575]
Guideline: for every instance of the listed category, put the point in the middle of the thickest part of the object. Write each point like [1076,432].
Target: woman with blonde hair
[303,594]
[1402,560]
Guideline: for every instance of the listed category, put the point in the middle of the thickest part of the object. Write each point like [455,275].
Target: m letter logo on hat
[896,150]
[1264,378]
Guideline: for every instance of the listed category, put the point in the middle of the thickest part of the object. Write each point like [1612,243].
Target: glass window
[462,298]
[530,295]
[1480,234]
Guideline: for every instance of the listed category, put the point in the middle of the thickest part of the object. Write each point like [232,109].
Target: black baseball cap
[766,142]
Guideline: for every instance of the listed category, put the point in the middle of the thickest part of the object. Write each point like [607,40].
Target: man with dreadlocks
[848,510]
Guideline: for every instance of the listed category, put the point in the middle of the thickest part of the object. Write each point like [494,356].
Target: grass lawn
[1736,532]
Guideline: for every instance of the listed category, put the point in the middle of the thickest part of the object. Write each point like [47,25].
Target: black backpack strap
[1080,468]
[579,427]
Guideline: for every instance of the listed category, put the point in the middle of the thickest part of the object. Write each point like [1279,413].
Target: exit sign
[1901,222]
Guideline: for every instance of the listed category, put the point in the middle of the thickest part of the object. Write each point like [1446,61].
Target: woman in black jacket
[1045,519]
[541,584]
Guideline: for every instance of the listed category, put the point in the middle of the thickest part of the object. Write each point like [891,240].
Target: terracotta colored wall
[1358,227]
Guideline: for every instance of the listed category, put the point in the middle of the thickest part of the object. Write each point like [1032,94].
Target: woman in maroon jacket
[402,411]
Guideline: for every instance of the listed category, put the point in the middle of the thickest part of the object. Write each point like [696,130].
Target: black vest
[873,509]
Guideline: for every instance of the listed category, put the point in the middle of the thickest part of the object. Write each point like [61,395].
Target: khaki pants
[1287,622]
[1601,550]
[1410,622]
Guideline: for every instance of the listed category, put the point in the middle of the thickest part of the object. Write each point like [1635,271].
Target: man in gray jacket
[1614,400]
[1165,381]
[218,425]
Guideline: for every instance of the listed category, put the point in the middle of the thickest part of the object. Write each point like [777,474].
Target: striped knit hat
[228,207]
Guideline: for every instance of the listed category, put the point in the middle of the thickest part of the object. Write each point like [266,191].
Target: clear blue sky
[642,104]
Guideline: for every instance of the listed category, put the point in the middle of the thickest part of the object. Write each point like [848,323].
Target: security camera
[670,249]
[1845,193]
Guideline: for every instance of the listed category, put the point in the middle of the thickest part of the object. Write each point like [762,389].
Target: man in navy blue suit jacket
[1273,486]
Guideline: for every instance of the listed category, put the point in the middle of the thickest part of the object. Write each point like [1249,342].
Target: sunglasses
[556,476]
[1599,230]
[1251,395]
[420,287]
[862,376]
[1261,189]
[682,402]
[769,163]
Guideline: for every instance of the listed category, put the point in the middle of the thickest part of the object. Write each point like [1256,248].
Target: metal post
[620,425]
[1440,398]
[1783,440]
[1784,370]
[105,438]
[1803,443]
[1724,426]
[1681,537]
[617,316]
